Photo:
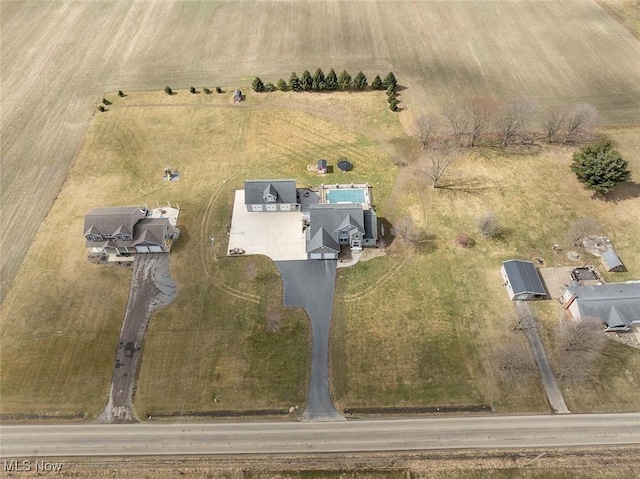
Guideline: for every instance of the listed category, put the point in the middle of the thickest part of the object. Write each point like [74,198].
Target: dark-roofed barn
[522,280]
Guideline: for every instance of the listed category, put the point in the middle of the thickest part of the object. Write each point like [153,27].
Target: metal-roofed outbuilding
[522,280]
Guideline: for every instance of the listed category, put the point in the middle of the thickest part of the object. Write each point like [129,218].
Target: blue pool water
[352,195]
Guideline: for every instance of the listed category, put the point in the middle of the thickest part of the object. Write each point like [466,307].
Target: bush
[600,167]
[489,226]
[168,90]
[206,91]
[464,240]
[218,89]
[257,85]
[269,87]
[193,90]
[282,85]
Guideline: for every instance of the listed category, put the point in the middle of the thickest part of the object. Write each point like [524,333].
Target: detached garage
[522,280]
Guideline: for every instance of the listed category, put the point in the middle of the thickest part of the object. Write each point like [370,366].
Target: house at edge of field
[522,280]
[122,231]
[616,304]
[332,225]
[611,261]
[271,195]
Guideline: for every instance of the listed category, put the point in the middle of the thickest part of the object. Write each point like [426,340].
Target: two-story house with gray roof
[123,231]
[332,225]
[271,195]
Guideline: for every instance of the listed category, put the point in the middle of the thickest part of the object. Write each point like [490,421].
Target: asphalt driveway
[310,284]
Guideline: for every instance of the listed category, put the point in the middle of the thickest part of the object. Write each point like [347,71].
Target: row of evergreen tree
[329,82]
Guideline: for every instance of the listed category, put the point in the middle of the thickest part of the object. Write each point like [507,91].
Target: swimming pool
[350,195]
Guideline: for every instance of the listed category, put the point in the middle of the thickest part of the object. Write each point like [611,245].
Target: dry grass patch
[430,335]
[218,340]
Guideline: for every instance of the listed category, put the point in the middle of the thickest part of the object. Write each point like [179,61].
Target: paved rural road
[310,285]
[551,387]
[305,437]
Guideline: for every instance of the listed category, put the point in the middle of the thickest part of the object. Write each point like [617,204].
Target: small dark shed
[237,96]
[322,166]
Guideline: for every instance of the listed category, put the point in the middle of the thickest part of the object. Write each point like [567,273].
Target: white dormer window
[270,199]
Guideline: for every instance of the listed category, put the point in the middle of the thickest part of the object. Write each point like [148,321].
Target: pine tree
[257,85]
[344,80]
[294,82]
[306,81]
[282,85]
[376,84]
[393,104]
[390,79]
[360,81]
[269,87]
[600,167]
[318,80]
[331,80]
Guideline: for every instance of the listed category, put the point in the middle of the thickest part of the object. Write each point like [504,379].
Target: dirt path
[151,288]
[551,387]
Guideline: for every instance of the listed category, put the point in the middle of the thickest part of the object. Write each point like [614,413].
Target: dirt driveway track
[58,58]
[151,287]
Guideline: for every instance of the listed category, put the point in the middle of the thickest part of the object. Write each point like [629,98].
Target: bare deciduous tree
[514,116]
[407,230]
[554,121]
[458,120]
[515,358]
[480,113]
[489,225]
[580,345]
[438,157]
[579,119]
[582,227]
[425,127]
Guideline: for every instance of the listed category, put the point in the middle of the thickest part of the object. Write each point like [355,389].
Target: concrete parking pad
[277,235]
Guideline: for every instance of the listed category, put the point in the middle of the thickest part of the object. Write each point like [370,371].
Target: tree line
[331,82]
[480,119]
[599,166]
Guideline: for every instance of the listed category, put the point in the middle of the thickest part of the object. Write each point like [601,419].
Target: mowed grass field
[226,342]
[425,327]
[59,57]
[57,349]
